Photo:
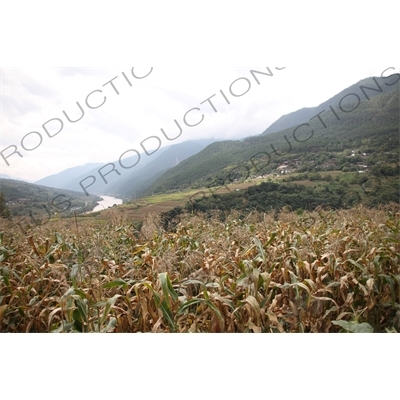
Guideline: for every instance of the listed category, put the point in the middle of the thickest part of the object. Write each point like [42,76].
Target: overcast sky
[31,97]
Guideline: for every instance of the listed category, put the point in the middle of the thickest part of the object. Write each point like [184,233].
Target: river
[107,202]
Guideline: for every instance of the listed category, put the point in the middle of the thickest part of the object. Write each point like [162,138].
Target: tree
[4,211]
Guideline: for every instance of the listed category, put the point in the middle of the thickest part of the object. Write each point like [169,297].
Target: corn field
[325,271]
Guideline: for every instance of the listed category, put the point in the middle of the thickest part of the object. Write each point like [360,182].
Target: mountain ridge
[130,184]
[214,165]
[304,114]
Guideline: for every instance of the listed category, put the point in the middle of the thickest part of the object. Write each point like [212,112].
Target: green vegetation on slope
[268,196]
[4,211]
[37,202]
[371,131]
[379,85]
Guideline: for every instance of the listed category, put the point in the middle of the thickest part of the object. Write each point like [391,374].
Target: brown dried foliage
[328,271]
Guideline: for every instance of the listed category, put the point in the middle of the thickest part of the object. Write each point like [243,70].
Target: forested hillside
[270,196]
[363,139]
[360,89]
[25,199]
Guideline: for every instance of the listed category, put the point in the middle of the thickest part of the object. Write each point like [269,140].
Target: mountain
[367,88]
[101,187]
[358,119]
[200,169]
[129,184]
[3,176]
[29,200]
[61,179]
[138,181]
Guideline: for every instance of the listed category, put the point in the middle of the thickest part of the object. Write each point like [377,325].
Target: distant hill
[61,179]
[100,187]
[133,182]
[200,169]
[138,181]
[4,176]
[24,198]
[305,114]
[372,129]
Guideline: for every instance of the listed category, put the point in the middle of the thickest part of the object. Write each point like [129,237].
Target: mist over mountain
[3,176]
[60,179]
[130,183]
[139,180]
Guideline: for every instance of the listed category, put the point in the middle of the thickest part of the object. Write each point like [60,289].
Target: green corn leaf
[168,315]
[165,309]
[69,293]
[80,294]
[74,272]
[273,236]
[167,287]
[193,302]
[354,327]
[64,327]
[110,326]
[206,295]
[116,283]
[82,309]
[110,303]
[260,249]
[390,282]
[188,304]
[356,264]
